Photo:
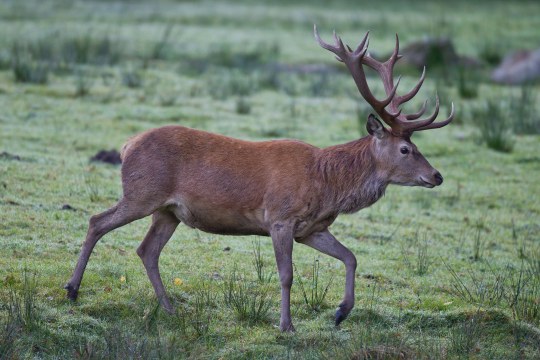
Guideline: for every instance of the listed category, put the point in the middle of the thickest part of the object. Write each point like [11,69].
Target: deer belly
[219,220]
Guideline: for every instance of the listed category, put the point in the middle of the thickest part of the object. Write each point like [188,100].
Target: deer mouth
[425,183]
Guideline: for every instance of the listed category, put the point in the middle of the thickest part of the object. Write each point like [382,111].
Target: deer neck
[351,180]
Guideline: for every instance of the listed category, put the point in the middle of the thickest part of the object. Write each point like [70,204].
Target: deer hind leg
[163,225]
[119,215]
[326,243]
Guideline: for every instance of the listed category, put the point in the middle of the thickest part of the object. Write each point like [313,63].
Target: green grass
[445,273]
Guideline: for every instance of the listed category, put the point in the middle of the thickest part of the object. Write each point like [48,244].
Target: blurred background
[483,56]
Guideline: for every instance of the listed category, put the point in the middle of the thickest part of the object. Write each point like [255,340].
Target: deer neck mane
[349,175]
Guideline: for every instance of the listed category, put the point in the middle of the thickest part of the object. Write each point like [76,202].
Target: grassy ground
[452,272]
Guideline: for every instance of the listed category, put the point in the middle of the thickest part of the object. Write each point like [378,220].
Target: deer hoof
[72,293]
[287,328]
[340,315]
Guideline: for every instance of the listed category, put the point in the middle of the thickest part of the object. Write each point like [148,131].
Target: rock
[109,157]
[430,52]
[518,68]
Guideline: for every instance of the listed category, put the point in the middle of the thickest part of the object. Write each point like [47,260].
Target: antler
[389,108]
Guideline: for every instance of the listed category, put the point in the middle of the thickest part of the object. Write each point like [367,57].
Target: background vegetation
[452,272]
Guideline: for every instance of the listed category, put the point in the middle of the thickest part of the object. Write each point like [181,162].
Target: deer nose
[438,178]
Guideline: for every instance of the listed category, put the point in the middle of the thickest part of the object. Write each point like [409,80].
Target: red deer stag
[285,189]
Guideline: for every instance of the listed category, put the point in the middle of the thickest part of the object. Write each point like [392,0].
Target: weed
[248,59]
[250,302]
[26,69]
[373,295]
[151,317]
[523,294]
[465,337]
[386,238]
[223,84]
[8,337]
[495,128]
[132,78]
[315,294]
[361,111]
[520,246]
[533,262]
[523,112]
[200,316]
[479,242]
[204,294]
[259,264]
[467,83]
[83,83]
[158,50]
[454,198]
[491,52]
[93,189]
[22,305]
[243,107]
[488,289]
[423,260]
[167,100]
[87,50]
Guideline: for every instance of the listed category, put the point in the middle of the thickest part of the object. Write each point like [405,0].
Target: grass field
[452,272]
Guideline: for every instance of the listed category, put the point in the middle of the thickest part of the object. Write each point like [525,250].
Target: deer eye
[404,150]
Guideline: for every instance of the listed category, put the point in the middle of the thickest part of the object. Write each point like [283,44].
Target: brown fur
[285,189]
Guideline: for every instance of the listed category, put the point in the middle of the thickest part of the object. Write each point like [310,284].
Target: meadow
[445,273]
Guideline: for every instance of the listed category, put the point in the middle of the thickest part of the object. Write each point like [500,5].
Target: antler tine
[339,43]
[439,124]
[322,43]
[388,100]
[363,46]
[395,54]
[408,96]
[419,113]
[411,126]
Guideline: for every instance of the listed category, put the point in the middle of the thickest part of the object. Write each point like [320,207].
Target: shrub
[494,125]
[25,68]
[22,308]
[243,106]
[249,301]
[132,78]
[315,293]
[28,71]
[490,52]
[259,264]
[524,113]
[83,83]
[467,83]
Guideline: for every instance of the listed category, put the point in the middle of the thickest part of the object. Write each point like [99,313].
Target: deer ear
[375,127]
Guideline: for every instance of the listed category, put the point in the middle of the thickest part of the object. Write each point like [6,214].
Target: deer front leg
[327,244]
[282,240]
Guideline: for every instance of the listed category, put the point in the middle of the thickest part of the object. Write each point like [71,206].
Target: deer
[287,190]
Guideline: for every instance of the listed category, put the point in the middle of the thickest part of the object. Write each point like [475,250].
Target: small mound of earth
[9,156]
[107,156]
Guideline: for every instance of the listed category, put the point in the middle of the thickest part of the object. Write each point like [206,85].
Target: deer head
[396,156]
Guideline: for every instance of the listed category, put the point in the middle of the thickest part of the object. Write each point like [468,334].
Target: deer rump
[219,184]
